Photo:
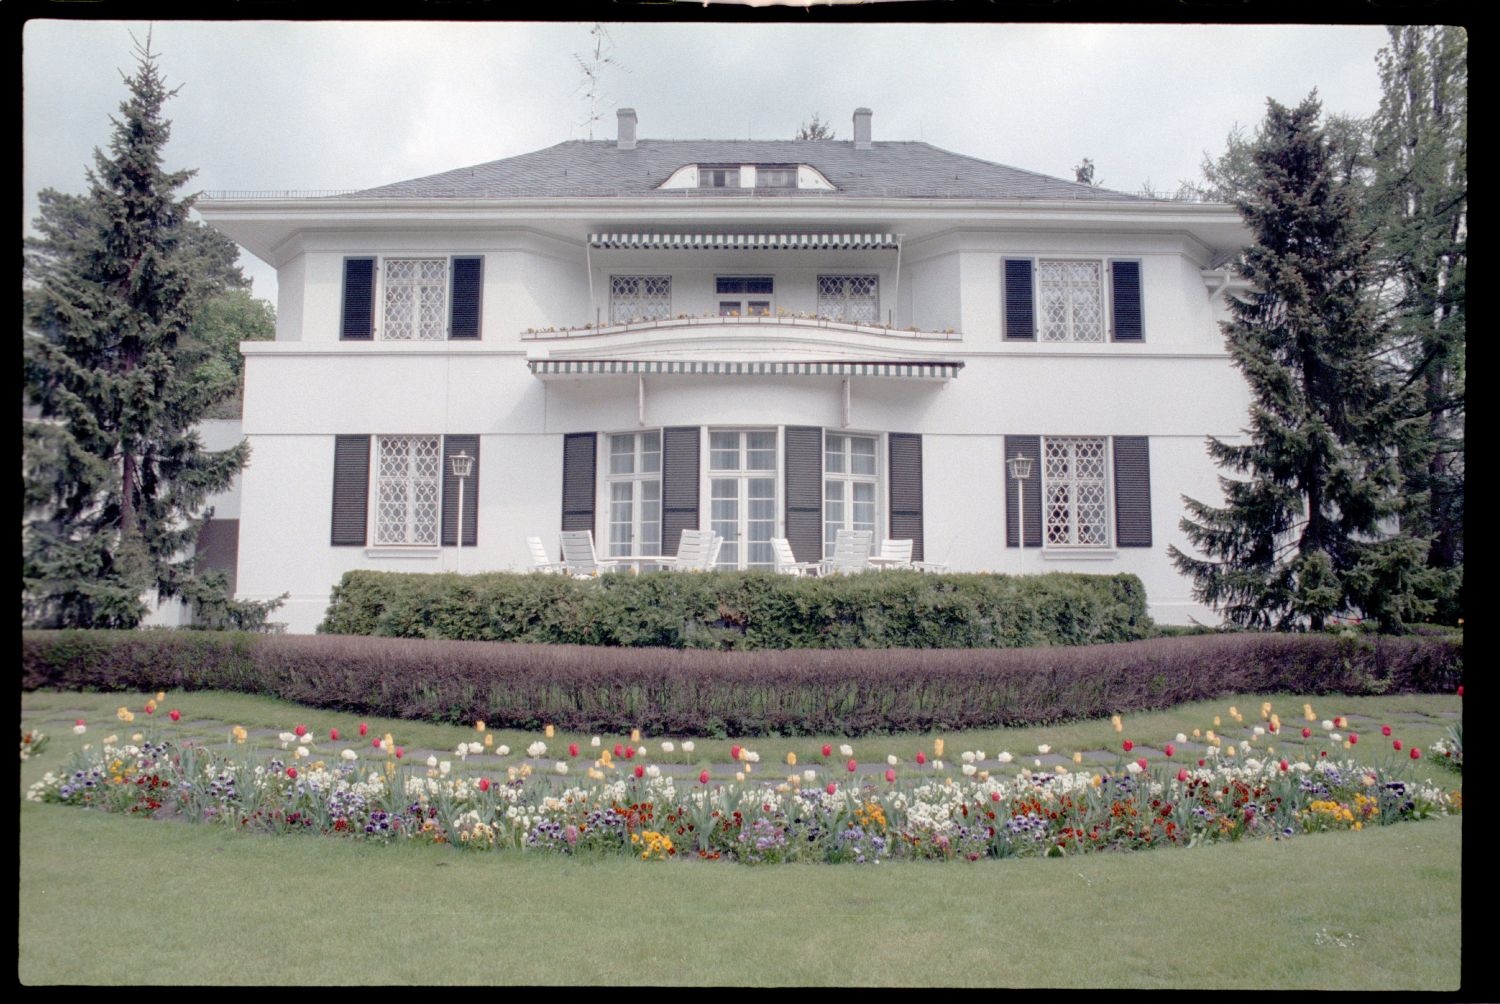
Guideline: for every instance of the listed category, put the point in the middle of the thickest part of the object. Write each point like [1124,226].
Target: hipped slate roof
[598,168]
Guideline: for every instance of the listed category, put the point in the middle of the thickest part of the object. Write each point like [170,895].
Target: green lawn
[109,899]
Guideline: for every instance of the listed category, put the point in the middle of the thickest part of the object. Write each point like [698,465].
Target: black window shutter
[465,293]
[906,491]
[804,491]
[579,468]
[1026,446]
[1132,491]
[679,485]
[359,300]
[1020,307]
[452,445]
[1125,281]
[351,490]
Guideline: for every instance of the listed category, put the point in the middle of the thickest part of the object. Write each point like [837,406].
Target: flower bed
[597,801]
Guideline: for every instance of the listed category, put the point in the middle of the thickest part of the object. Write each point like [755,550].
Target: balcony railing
[774,321]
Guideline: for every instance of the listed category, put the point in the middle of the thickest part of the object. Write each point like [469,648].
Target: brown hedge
[737,693]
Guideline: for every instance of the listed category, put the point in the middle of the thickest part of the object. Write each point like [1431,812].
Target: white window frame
[741,473]
[661,311]
[382,294]
[1106,484]
[637,477]
[377,477]
[761,169]
[705,169]
[1071,325]
[841,301]
[849,479]
[743,299]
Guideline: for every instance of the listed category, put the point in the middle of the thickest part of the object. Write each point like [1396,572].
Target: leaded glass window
[416,299]
[408,489]
[1071,301]
[1075,487]
[852,298]
[639,298]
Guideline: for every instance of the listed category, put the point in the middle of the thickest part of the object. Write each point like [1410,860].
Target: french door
[742,496]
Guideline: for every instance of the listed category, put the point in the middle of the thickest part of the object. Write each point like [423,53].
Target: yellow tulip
[1210,735]
[635,735]
[489,739]
[1265,709]
[1196,733]
[479,726]
[240,735]
[548,731]
[937,747]
[1095,780]
[1307,713]
[791,759]
[1078,757]
[1234,712]
[1217,723]
[1229,751]
[1115,721]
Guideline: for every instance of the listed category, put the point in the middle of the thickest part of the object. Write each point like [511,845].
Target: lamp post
[1020,469]
[462,466]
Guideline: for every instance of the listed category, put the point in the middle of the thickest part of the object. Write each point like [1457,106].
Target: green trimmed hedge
[737,693]
[746,610]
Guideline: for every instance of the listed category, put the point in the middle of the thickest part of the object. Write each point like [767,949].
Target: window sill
[420,553]
[1079,554]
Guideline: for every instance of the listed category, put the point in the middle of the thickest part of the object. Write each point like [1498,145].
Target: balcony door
[742,496]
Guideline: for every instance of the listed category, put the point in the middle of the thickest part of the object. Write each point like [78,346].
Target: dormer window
[776,176]
[718,177]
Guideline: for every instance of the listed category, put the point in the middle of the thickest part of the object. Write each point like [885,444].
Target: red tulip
[1353,738]
[1385,730]
[852,766]
[1170,749]
[1200,763]
[994,796]
[150,708]
[1285,766]
[291,772]
[619,750]
[1141,763]
[1460,690]
[1127,746]
[832,787]
[640,771]
[921,758]
[375,743]
[1307,733]
[1182,775]
[1273,727]
[890,775]
[301,730]
[175,715]
[364,729]
[333,734]
[1396,745]
[827,750]
[734,752]
[78,721]
[572,749]
[703,777]
[484,784]
[400,752]
[629,752]
[1416,754]
[1322,753]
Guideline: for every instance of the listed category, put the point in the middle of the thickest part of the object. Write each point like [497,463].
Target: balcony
[776,327]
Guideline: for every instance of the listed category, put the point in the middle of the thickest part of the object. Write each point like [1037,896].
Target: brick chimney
[626,117]
[862,129]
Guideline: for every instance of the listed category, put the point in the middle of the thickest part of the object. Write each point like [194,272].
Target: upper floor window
[416,299]
[744,295]
[775,176]
[852,298]
[639,298]
[718,177]
[1072,300]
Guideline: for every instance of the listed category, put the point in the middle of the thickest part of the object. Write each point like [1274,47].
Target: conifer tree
[113,472]
[1311,534]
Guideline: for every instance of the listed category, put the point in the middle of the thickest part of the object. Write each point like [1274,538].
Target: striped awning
[744,242]
[926,369]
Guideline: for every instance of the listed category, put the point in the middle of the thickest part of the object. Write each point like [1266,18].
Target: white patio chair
[936,567]
[851,553]
[579,557]
[895,553]
[541,561]
[786,561]
[695,551]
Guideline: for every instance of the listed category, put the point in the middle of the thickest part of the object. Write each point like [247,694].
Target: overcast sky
[337,105]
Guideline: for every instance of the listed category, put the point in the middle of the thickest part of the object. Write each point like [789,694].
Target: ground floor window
[408,489]
[742,495]
[850,486]
[1075,487]
[634,484]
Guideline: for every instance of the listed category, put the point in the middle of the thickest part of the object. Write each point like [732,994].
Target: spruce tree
[1420,205]
[1311,534]
[113,471]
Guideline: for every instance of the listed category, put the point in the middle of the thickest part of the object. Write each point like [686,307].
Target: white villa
[763,338]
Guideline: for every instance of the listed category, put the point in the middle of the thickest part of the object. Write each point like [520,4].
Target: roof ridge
[1022,170]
